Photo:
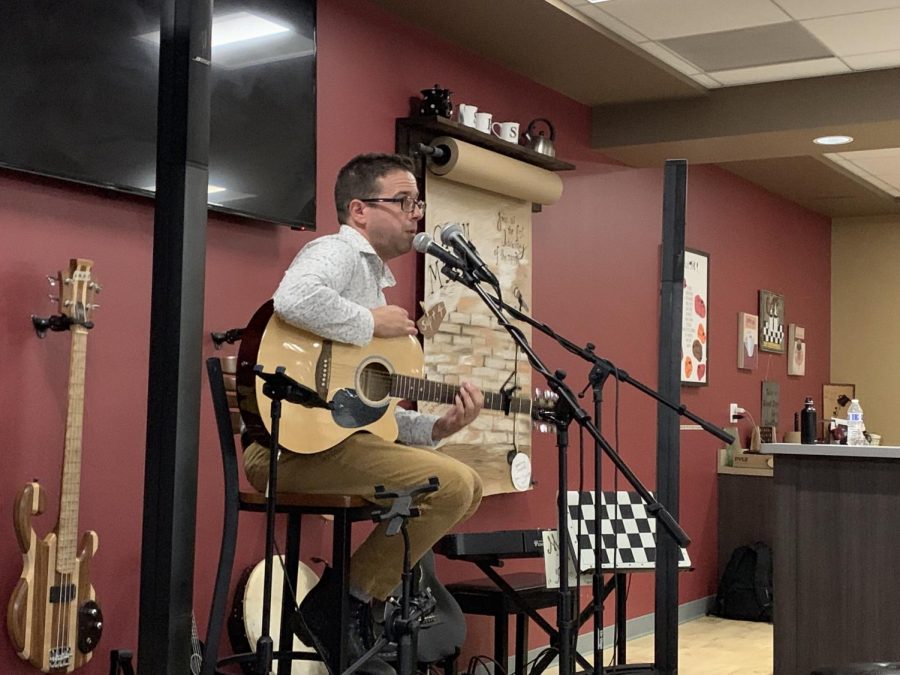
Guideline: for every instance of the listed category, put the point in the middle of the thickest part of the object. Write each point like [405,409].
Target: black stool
[879,668]
[485,598]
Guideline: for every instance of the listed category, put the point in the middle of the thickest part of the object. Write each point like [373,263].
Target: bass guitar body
[52,617]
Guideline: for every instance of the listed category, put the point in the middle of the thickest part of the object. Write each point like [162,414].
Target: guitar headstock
[76,292]
[543,405]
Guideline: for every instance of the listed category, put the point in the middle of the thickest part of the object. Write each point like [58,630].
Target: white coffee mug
[508,131]
[467,114]
[483,121]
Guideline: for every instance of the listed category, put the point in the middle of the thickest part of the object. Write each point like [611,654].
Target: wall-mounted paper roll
[492,171]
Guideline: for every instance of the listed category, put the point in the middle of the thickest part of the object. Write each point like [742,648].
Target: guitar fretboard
[71,477]
[418,389]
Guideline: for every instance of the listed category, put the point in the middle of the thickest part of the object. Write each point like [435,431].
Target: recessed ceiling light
[833,140]
[594,2]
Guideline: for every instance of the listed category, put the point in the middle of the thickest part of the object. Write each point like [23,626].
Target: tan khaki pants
[354,467]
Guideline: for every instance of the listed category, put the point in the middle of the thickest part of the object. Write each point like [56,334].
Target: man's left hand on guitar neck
[467,405]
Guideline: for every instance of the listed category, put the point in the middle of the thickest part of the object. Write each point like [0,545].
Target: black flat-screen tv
[78,97]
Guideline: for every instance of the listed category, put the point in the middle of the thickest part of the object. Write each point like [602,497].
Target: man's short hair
[358,178]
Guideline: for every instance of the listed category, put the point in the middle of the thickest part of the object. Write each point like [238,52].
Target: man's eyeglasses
[407,204]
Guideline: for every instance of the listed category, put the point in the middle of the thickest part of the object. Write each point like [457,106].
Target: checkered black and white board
[625,527]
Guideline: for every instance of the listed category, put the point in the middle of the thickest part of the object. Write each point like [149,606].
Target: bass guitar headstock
[76,292]
[75,297]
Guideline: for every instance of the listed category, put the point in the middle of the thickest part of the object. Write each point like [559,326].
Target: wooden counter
[836,555]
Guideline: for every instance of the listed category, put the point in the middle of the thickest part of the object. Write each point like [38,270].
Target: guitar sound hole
[375,382]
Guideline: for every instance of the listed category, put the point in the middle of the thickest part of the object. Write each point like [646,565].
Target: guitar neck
[67,528]
[418,389]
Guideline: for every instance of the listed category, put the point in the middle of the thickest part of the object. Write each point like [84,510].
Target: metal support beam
[176,330]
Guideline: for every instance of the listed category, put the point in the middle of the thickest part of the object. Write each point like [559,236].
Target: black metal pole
[176,333]
[667,428]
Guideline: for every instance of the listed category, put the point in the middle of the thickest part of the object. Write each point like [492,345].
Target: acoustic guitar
[362,385]
[53,618]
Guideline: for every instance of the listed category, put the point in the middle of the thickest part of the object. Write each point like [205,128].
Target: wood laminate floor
[713,646]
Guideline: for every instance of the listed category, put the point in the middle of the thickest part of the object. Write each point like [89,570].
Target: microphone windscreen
[449,230]
[421,241]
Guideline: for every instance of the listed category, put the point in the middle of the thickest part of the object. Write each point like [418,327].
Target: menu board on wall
[695,319]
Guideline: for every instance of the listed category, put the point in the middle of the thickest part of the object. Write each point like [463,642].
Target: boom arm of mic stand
[607,367]
[569,403]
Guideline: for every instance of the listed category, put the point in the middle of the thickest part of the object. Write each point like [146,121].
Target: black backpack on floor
[745,590]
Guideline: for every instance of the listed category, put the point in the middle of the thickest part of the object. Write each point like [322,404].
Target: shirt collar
[361,244]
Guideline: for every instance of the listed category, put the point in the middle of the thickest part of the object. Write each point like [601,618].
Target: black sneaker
[316,623]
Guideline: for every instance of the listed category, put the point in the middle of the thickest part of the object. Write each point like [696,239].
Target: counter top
[823,450]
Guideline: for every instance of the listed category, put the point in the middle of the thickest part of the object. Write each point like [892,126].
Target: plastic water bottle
[855,424]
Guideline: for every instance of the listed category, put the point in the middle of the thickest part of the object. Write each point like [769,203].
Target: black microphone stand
[567,409]
[601,369]
[278,387]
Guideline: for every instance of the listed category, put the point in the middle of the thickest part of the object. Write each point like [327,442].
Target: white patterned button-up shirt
[329,289]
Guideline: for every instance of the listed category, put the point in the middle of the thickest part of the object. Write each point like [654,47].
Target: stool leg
[501,640]
[288,597]
[521,642]
[341,561]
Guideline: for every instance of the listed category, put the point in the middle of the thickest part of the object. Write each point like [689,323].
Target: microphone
[423,243]
[452,236]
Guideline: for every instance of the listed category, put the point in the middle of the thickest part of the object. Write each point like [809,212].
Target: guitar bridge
[60,657]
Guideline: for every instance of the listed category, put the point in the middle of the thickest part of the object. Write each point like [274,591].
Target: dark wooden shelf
[441,126]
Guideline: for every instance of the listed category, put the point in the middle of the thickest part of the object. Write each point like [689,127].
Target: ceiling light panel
[661,19]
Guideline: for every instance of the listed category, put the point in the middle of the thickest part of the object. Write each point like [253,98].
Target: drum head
[253,599]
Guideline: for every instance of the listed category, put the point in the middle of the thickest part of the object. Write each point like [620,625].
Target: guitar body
[355,380]
[45,600]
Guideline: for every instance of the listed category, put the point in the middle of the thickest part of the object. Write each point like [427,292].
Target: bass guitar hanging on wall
[53,618]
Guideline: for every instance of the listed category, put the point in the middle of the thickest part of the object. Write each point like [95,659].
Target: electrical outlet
[732,412]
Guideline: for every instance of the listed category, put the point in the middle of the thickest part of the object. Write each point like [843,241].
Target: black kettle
[537,141]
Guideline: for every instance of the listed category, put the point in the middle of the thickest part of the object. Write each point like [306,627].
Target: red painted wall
[596,279]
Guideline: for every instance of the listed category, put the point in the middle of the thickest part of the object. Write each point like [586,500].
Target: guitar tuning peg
[94,306]
[51,280]
[54,299]
[94,286]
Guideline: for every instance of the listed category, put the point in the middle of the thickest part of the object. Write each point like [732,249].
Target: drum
[245,622]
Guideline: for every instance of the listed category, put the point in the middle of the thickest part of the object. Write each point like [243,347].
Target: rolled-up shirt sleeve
[414,428]
[310,293]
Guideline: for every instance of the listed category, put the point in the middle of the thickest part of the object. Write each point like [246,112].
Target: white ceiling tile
[781,71]
[611,22]
[809,9]
[889,59]
[659,19]
[669,58]
[858,33]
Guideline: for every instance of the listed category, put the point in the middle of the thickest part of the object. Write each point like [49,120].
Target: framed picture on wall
[796,350]
[695,319]
[836,399]
[771,322]
[748,341]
